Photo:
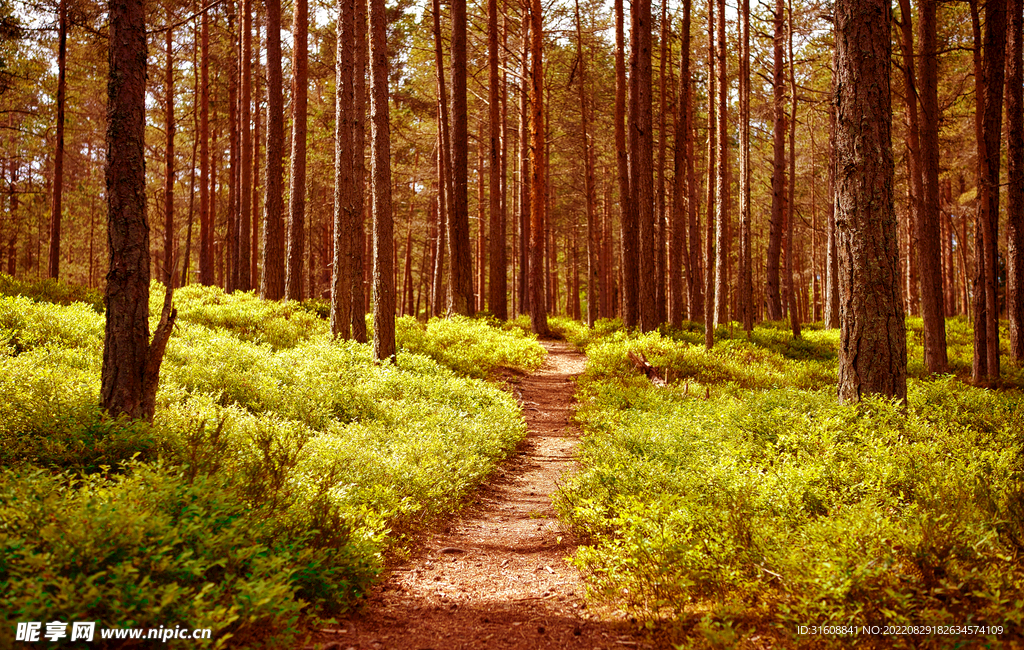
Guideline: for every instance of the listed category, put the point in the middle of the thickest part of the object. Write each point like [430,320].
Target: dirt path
[497,576]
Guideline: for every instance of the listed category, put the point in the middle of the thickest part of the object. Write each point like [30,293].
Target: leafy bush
[52,291]
[305,459]
[470,346]
[761,499]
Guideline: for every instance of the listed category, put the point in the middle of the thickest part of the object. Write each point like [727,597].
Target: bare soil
[496,575]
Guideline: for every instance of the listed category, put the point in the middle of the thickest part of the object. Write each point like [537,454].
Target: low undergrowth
[282,464]
[742,500]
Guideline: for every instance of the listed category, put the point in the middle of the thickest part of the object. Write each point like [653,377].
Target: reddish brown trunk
[297,187]
[1015,189]
[775,228]
[272,282]
[168,271]
[58,156]
[538,181]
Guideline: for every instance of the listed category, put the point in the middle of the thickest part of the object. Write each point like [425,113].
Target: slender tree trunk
[272,282]
[929,216]
[481,221]
[641,163]
[341,282]
[794,315]
[380,179]
[497,298]
[205,193]
[709,233]
[628,220]
[593,263]
[538,184]
[461,294]
[695,292]
[168,275]
[361,245]
[746,289]
[913,153]
[679,260]
[660,231]
[131,362]
[58,155]
[254,204]
[232,216]
[245,253]
[872,348]
[187,259]
[524,170]
[722,179]
[1015,188]
[775,231]
[831,250]
[297,189]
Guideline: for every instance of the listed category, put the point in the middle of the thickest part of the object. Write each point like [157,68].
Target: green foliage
[744,485]
[470,346]
[306,460]
[52,291]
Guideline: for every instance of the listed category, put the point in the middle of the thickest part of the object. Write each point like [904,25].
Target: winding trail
[496,576]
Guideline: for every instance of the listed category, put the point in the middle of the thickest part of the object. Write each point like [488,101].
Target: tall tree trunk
[989,91]
[361,245]
[272,282]
[380,180]
[524,170]
[232,216]
[205,190]
[538,181]
[929,216]
[660,231]
[831,251]
[722,179]
[58,155]
[628,221]
[775,228]
[497,298]
[594,288]
[695,289]
[168,272]
[131,362]
[872,347]
[681,275]
[746,289]
[913,152]
[1015,188]
[245,252]
[709,232]
[342,277]
[641,161]
[254,204]
[297,189]
[461,293]
[794,314]
[481,221]
[187,259]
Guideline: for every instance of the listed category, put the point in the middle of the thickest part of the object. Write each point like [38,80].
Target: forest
[292,295]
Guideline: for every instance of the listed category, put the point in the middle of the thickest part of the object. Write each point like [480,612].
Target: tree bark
[131,363]
[380,179]
[594,288]
[444,193]
[831,252]
[524,169]
[746,290]
[794,314]
[297,188]
[341,282]
[628,220]
[660,231]
[58,155]
[722,178]
[872,349]
[929,216]
[206,270]
[1015,188]
[461,294]
[272,282]
[168,271]
[775,227]
[245,252]
[538,181]
[681,284]
[913,154]
[361,245]
[641,162]
[497,298]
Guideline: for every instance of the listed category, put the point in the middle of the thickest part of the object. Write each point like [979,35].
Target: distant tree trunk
[187,259]
[746,290]
[498,296]
[831,252]
[481,221]
[594,288]
[297,189]
[341,282]
[929,215]
[380,180]
[709,232]
[444,192]
[628,221]
[775,231]
[58,155]
[641,162]
[524,170]
[538,185]
[167,276]
[254,207]
[206,270]
[722,179]
[1015,188]
[660,232]
[872,348]
[232,215]
[794,314]
[695,288]
[989,94]
[679,260]
[131,363]
[913,153]
[461,294]
[272,282]
[245,252]
[361,244]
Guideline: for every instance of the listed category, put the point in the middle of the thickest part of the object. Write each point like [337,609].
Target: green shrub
[470,346]
[52,291]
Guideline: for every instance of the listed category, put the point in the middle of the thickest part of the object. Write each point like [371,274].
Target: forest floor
[496,575]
